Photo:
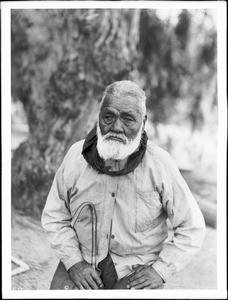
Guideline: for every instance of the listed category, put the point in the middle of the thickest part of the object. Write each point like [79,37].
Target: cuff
[162,269]
[69,262]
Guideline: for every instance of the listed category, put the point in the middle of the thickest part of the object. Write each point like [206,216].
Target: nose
[118,126]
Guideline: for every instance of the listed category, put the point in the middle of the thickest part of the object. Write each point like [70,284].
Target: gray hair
[126,88]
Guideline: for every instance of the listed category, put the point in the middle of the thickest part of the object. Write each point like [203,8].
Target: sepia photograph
[114,149]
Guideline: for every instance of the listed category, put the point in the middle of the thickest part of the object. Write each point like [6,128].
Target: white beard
[112,149]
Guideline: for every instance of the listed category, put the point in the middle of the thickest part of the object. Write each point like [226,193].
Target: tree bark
[62,60]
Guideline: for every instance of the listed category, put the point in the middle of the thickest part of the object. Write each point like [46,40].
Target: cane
[94,228]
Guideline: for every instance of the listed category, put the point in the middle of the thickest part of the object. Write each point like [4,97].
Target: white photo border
[221,291]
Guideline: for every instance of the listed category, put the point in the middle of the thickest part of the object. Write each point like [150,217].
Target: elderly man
[134,187]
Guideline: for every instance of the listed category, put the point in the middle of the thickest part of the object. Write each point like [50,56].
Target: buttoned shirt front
[132,212]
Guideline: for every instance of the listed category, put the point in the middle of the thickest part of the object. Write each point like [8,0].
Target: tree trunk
[62,60]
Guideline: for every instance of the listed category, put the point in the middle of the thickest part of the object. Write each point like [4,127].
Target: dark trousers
[62,280]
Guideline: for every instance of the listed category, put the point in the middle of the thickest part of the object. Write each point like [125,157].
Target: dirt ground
[29,244]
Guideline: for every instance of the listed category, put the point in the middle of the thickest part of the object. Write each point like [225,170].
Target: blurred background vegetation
[62,60]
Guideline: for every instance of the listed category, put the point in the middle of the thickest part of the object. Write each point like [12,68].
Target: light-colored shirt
[132,212]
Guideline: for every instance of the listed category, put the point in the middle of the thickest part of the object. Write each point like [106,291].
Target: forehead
[121,104]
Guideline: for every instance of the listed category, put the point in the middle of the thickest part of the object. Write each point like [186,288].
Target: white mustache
[116,135]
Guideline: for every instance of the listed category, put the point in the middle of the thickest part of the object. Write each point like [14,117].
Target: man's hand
[144,277]
[85,277]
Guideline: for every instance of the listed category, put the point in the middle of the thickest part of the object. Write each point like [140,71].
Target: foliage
[177,61]
[62,60]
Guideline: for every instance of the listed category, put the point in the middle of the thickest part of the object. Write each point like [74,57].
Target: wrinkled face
[121,116]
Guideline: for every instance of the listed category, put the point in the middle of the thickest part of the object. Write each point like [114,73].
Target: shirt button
[113,194]
[106,236]
[112,236]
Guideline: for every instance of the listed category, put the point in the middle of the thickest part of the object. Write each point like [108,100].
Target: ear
[144,122]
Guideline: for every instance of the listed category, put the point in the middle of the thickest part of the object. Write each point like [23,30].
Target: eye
[128,119]
[108,119]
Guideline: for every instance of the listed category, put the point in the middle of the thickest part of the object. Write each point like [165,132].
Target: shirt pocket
[148,208]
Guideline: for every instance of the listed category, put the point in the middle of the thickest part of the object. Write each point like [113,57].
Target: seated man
[131,187]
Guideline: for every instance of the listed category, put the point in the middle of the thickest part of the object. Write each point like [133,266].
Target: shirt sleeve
[56,221]
[187,221]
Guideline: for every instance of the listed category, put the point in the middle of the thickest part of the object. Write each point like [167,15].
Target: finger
[137,268]
[154,286]
[148,287]
[97,279]
[139,282]
[136,276]
[161,286]
[79,286]
[92,283]
[85,285]
[75,288]
[141,286]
